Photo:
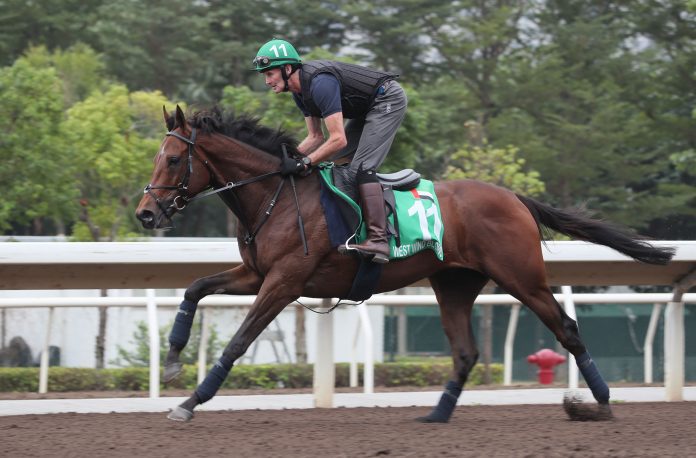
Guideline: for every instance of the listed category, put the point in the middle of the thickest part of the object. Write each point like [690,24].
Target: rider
[372,101]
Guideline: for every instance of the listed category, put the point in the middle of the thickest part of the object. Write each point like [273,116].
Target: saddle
[406,197]
[344,181]
[411,205]
[403,180]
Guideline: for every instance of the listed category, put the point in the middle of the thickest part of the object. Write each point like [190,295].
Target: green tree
[397,35]
[443,106]
[79,68]
[239,28]
[472,43]
[140,355]
[665,91]
[501,166]
[596,109]
[56,24]
[113,136]
[153,45]
[37,169]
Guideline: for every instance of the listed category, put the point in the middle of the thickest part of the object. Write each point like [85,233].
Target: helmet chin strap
[286,76]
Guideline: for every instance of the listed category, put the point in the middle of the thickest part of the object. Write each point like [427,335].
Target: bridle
[182,199]
[182,187]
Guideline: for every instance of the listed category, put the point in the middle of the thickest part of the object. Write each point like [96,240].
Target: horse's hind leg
[456,290]
[528,284]
[239,280]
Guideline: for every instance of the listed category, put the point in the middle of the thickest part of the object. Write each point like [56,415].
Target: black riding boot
[375,216]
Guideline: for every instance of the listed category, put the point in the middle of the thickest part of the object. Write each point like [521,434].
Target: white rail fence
[324,366]
[175,263]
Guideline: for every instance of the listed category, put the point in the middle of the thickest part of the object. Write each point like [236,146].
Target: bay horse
[490,234]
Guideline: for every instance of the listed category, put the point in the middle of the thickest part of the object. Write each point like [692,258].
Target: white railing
[324,369]
[175,263]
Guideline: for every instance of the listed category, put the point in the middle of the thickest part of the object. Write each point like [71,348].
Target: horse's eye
[174,160]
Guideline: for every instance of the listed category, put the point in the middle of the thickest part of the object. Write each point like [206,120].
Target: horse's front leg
[239,280]
[271,300]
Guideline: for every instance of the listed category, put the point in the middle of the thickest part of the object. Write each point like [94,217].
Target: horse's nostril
[147,218]
[145,215]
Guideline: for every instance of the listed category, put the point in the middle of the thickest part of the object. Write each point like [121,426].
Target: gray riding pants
[370,138]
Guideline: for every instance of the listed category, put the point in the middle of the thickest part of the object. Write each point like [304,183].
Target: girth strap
[249,239]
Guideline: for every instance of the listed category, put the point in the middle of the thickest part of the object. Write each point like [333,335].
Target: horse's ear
[180,118]
[168,119]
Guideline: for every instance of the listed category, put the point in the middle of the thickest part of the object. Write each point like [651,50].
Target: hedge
[267,376]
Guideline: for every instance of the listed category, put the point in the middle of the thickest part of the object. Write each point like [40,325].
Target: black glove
[290,166]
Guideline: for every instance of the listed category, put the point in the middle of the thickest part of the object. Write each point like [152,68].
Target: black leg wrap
[448,401]
[181,331]
[593,378]
[213,381]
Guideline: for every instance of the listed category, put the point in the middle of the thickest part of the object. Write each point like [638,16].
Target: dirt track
[640,429]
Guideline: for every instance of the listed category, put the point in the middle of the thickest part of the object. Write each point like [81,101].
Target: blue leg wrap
[181,331]
[448,401]
[213,381]
[594,380]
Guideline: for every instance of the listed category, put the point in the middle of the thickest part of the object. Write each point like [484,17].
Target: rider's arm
[315,137]
[326,93]
[335,142]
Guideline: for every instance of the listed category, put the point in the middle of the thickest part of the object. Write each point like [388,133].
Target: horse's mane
[243,128]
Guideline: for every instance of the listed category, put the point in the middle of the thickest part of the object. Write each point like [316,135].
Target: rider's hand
[290,166]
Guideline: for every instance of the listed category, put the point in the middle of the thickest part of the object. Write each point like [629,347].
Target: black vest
[358,86]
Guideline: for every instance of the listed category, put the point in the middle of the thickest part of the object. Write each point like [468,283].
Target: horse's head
[179,174]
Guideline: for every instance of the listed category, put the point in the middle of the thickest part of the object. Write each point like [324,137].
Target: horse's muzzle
[147,219]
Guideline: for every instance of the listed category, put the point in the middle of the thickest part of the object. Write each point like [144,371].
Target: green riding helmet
[274,54]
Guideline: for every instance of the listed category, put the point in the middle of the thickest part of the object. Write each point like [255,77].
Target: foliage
[264,376]
[157,45]
[140,356]
[595,96]
[499,166]
[79,69]
[57,24]
[36,168]
[113,135]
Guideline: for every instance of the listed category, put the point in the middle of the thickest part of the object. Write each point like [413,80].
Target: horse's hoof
[577,411]
[432,419]
[180,414]
[604,413]
[172,371]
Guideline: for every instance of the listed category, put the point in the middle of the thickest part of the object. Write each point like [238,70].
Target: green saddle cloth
[418,219]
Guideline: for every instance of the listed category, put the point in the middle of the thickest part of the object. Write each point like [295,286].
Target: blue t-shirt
[326,93]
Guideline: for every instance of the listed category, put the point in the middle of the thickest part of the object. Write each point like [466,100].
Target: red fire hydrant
[546,359]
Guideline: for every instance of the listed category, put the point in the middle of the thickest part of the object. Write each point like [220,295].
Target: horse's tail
[575,223]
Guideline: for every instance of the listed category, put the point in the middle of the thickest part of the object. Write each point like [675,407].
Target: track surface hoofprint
[640,429]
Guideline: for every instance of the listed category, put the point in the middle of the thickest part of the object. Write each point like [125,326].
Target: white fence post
[675,348]
[509,342]
[324,370]
[43,369]
[569,306]
[153,331]
[368,366]
[674,351]
[648,345]
[353,368]
[203,347]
